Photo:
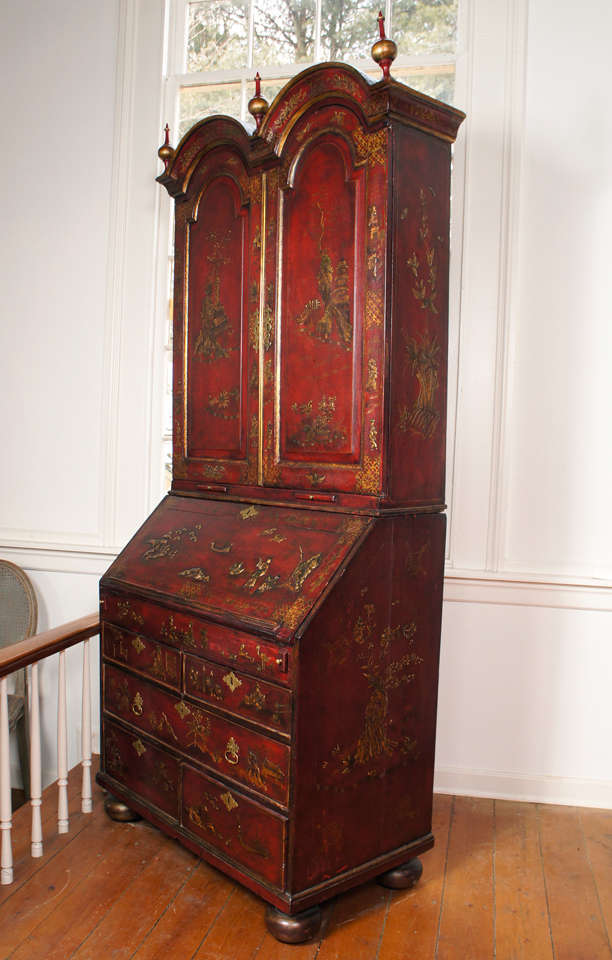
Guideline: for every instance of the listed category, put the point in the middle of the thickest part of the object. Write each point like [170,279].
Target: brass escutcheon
[231,751]
[137,703]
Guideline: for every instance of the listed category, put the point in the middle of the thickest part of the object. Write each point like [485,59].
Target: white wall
[526,634]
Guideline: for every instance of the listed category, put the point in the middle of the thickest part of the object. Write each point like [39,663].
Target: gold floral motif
[195,573]
[373,435]
[253,454]
[164,666]
[424,357]
[351,527]
[290,105]
[139,747]
[162,778]
[126,612]
[373,309]
[228,801]
[292,614]
[315,478]
[215,321]
[171,633]
[375,739]
[232,681]
[302,570]
[237,569]
[213,471]
[328,316]
[367,479]
[224,404]
[247,513]
[112,752]
[255,189]
[255,699]
[371,147]
[259,772]
[120,694]
[372,381]
[274,535]
[198,730]
[161,725]
[167,545]
[271,468]
[317,429]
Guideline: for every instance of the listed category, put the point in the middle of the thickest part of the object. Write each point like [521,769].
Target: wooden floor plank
[356,926]
[126,925]
[522,929]
[596,828]
[185,924]
[238,930]
[576,923]
[56,878]
[412,922]
[466,922]
[122,850]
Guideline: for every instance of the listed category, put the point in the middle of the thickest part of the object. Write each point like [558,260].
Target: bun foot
[404,876]
[117,810]
[293,928]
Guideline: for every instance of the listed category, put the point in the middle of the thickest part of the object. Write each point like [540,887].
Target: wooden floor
[509,881]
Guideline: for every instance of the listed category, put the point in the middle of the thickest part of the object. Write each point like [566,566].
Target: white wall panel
[56,103]
[558,461]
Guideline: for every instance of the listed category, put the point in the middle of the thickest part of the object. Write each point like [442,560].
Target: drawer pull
[231,751]
[139,747]
[137,703]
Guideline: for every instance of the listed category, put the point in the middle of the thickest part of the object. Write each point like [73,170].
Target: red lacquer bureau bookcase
[271,634]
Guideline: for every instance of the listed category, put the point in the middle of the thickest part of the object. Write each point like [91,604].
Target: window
[217,46]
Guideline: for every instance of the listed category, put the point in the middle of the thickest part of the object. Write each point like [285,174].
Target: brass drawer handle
[137,703]
[231,751]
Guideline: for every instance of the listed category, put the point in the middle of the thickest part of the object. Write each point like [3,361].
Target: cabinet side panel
[368,679]
[419,344]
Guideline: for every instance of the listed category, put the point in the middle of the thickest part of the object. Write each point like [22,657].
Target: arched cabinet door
[323,397]
[216,288]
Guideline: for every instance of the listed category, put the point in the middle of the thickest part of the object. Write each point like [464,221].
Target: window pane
[217,35]
[199,102]
[425,26]
[348,29]
[437,82]
[283,31]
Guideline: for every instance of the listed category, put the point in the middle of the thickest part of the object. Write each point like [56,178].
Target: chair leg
[24,755]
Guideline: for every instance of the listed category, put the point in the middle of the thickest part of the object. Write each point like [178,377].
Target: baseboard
[501,785]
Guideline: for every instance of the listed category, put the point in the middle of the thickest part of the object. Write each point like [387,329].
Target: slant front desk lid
[258,566]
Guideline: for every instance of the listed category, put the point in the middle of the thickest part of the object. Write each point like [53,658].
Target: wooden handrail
[42,645]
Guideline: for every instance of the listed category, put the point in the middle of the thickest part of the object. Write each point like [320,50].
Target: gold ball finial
[166,152]
[258,105]
[384,50]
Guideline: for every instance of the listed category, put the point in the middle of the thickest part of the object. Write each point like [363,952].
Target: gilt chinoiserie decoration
[271,634]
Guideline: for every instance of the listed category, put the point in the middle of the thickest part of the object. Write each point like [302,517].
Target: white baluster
[35,764]
[86,800]
[6,860]
[62,748]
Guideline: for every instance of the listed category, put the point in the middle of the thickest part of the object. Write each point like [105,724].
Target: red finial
[165,152]
[384,51]
[257,106]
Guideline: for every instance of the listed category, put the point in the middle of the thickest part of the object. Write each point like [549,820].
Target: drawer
[193,634]
[239,828]
[257,700]
[142,767]
[138,652]
[227,747]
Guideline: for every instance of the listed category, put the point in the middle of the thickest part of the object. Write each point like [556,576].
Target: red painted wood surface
[234,751]
[267,565]
[146,656]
